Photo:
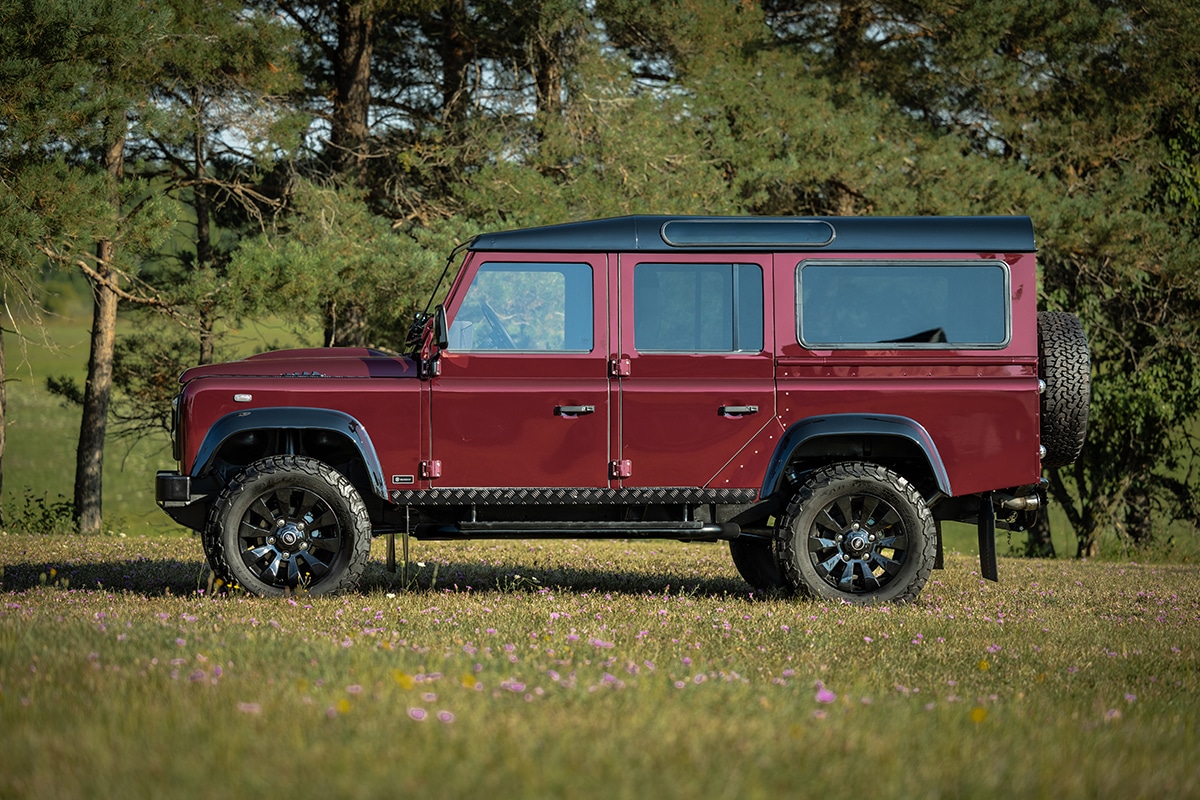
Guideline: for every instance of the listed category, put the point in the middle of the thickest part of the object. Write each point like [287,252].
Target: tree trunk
[1087,535]
[1138,518]
[548,69]
[207,350]
[204,256]
[1089,546]
[89,457]
[1085,517]
[345,326]
[853,21]
[456,56]
[352,100]
[349,135]
[3,418]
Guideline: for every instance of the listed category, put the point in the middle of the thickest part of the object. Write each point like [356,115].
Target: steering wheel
[499,335]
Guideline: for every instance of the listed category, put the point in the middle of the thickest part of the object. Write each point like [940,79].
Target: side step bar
[681,531]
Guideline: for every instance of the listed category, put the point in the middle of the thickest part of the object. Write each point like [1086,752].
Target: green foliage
[71,73]
[38,515]
[1077,114]
[147,364]
[331,251]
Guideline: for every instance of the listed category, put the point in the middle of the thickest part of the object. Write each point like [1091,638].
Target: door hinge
[619,368]
[431,469]
[620,469]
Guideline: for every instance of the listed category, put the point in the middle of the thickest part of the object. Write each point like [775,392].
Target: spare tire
[1065,366]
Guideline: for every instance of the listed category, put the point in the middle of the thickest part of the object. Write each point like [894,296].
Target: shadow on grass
[159,577]
[455,577]
[145,576]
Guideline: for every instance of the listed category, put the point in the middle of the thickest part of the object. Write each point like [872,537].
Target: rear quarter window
[899,304]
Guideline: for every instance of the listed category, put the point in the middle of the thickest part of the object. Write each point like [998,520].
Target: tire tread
[1064,363]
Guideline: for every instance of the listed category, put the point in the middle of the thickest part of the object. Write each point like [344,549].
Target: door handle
[572,411]
[736,411]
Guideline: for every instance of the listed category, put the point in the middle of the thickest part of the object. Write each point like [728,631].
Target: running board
[681,531]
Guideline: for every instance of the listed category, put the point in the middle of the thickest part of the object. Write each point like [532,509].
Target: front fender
[832,425]
[291,418]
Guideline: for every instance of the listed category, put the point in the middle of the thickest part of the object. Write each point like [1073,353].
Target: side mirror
[441,329]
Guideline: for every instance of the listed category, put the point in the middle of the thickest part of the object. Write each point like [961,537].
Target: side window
[698,308]
[890,305]
[526,307]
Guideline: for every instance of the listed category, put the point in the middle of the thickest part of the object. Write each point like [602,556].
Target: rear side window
[903,304]
[698,308]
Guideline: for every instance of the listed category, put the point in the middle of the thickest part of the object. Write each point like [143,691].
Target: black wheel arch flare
[807,433]
[289,418]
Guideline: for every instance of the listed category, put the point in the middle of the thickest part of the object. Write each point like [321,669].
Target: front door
[697,379]
[522,398]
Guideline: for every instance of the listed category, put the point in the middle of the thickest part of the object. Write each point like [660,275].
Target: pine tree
[72,73]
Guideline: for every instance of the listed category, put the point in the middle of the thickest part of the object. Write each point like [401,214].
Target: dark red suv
[820,392]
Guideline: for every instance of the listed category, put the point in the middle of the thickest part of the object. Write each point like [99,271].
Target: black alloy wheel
[289,524]
[859,533]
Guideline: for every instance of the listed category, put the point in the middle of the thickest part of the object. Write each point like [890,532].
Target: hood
[314,362]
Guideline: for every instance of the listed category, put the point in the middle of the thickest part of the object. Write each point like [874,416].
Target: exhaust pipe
[1030,502]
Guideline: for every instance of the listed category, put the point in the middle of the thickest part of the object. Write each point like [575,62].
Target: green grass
[603,669]
[39,459]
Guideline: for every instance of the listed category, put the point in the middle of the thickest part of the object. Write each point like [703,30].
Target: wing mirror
[441,329]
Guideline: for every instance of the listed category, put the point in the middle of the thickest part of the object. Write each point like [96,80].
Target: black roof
[842,234]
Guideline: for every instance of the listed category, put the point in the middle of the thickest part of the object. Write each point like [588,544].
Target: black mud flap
[987,538]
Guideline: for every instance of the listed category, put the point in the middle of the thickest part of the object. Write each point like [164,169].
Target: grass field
[565,669]
[603,669]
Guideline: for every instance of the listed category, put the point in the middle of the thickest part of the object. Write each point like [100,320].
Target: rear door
[695,367]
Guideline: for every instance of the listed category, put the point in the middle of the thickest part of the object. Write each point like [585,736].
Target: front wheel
[859,533]
[289,524]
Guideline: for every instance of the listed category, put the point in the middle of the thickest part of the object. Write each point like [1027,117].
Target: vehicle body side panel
[389,410]
[980,407]
[853,426]
[676,425]
[296,418]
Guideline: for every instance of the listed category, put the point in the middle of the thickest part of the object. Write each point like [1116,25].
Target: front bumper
[171,487]
[184,500]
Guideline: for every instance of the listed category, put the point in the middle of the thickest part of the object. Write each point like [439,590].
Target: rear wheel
[755,561]
[859,533]
[289,524]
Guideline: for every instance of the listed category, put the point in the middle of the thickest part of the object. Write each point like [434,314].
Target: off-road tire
[1065,366]
[309,488]
[891,567]
[755,561]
